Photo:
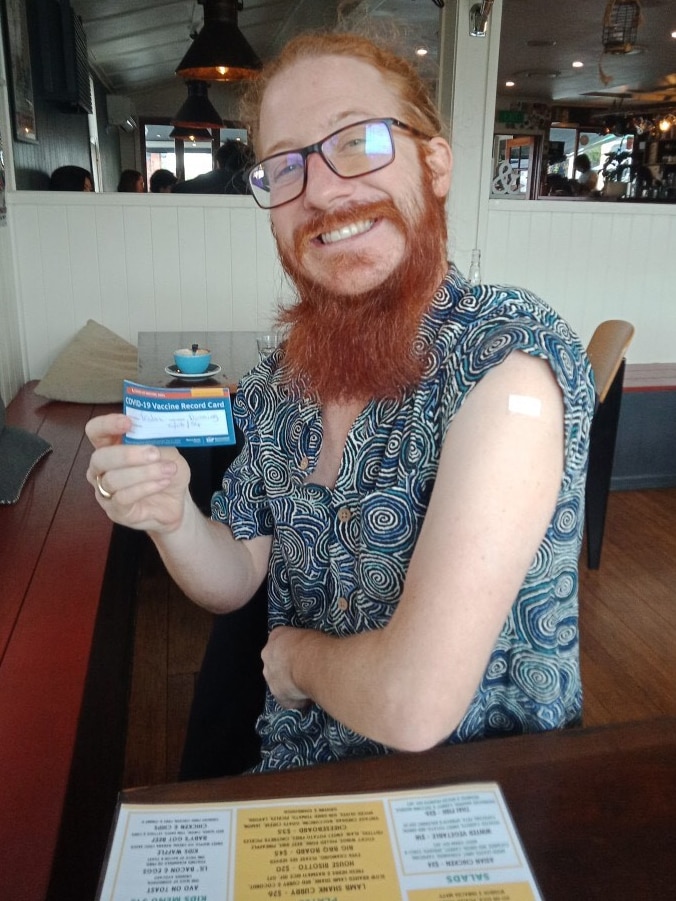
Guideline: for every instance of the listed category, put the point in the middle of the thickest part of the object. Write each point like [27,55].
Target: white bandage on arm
[527,406]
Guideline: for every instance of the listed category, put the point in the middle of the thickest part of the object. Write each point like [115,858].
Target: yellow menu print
[451,843]
[325,852]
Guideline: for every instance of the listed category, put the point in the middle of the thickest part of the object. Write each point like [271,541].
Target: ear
[440,162]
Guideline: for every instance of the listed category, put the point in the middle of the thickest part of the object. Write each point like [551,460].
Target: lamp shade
[220,52]
[181,133]
[197,111]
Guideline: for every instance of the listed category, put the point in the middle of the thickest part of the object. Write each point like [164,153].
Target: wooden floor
[627,625]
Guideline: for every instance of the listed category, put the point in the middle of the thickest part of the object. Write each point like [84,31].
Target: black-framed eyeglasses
[349,152]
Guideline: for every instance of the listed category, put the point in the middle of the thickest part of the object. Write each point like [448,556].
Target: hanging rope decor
[621,22]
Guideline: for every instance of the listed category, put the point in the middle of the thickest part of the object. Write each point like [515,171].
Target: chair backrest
[606,350]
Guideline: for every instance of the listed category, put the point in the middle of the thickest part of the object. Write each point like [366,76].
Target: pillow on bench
[20,450]
[91,369]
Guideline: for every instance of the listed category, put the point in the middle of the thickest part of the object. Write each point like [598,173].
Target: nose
[322,186]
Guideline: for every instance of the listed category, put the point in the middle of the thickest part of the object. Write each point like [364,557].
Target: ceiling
[135,45]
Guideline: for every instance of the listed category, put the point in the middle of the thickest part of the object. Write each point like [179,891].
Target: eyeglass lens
[352,151]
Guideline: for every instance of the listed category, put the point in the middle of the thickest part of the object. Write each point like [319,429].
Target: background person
[587,180]
[131,181]
[71,178]
[232,161]
[162,181]
[413,472]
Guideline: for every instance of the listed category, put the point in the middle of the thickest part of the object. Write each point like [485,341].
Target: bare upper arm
[500,469]
[499,476]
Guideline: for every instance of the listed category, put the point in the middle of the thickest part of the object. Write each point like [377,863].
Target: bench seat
[55,563]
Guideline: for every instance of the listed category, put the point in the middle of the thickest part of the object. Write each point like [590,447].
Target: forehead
[314,96]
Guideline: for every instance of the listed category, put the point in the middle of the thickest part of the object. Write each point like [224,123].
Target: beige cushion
[91,368]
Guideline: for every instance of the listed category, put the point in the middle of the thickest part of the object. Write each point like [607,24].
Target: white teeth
[348,231]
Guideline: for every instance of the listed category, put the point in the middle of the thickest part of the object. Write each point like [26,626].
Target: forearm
[213,568]
[378,684]
[351,679]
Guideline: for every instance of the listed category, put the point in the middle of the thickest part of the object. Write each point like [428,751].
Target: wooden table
[596,808]
[234,352]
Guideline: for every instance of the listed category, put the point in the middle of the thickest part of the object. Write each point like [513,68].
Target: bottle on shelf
[474,275]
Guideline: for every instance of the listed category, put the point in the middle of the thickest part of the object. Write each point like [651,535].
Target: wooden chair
[606,351]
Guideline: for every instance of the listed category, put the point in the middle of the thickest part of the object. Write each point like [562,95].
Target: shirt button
[304,463]
[343,604]
[345,514]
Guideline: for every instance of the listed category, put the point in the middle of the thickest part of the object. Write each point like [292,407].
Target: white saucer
[211,370]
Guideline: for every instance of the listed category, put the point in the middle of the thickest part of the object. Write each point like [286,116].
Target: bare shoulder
[523,368]
[523,386]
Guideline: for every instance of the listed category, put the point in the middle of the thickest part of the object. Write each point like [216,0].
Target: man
[412,479]
[587,181]
[233,158]
[71,178]
[162,181]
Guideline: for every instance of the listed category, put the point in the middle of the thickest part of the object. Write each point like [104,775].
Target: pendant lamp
[220,52]
[181,133]
[197,111]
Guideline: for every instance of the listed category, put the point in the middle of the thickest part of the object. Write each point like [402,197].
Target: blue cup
[192,360]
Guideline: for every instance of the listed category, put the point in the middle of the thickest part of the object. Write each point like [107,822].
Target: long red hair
[418,111]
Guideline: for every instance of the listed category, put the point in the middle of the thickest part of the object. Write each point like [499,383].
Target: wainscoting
[208,262]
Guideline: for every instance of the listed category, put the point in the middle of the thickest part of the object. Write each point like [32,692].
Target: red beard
[356,347]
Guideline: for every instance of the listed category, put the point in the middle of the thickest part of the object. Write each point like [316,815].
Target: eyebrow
[333,125]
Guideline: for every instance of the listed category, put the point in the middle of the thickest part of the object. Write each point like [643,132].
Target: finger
[132,479]
[134,486]
[110,457]
[109,429]
[150,504]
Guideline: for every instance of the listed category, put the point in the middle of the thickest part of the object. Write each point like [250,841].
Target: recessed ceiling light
[673,34]
[540,43]
[509,84]
[421,51]
[578,64]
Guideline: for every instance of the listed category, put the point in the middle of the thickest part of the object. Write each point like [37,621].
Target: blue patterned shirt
[339,556]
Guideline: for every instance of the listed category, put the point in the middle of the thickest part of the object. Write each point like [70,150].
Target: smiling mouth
[347,231]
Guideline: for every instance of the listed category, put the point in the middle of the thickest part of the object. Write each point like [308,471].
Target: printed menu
[454,843]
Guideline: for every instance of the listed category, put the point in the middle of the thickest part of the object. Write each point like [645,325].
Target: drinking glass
[267,343]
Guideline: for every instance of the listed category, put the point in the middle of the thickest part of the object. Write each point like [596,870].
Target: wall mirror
[592,80]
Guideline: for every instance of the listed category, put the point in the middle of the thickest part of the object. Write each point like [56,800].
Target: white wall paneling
[11,356]
[144,262]
[139,263]
[11,349]
[592,261]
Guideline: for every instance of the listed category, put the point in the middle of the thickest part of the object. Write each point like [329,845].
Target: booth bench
[67,584]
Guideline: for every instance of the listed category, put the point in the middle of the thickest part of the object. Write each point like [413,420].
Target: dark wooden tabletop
[595,808]
[56,614]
